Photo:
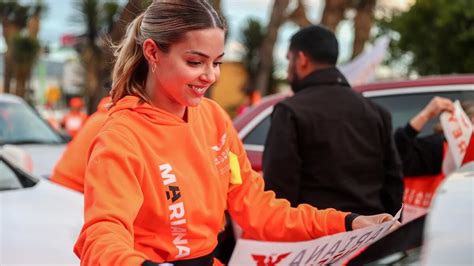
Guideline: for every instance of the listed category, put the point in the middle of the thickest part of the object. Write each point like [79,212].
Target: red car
[403,99]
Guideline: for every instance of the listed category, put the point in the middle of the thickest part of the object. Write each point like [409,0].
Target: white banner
[457,128]
[361,70]
[335,249]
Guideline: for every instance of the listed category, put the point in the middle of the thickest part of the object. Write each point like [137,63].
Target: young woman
[167,163]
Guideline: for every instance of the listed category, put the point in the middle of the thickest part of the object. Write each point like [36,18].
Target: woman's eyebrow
[202,54]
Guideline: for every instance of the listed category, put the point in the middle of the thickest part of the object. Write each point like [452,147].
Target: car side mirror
[20,163]
[17,157]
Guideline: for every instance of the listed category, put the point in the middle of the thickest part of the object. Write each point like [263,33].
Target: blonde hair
[165,22]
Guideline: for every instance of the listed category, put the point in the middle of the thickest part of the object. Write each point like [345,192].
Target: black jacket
[421,156]
[332,148]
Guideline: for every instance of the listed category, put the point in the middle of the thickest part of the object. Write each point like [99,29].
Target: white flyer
[457,128]
[333,249]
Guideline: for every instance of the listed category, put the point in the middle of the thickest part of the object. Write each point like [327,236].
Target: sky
[58,20]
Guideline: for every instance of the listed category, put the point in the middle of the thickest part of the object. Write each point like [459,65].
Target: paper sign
[411,212]
[334,249]
[457,128]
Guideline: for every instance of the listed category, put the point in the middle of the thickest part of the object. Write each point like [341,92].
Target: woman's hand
[368,220]
[436,106]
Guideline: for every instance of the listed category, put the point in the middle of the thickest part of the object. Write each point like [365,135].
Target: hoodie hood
[104,104]
[153,114]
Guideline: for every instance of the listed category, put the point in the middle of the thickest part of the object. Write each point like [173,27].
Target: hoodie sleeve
[112,199]
[264,217]
[419,155]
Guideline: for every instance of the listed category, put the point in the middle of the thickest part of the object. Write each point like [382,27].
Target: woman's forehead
[207,41]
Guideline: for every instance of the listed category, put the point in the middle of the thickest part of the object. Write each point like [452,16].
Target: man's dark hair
[317,42]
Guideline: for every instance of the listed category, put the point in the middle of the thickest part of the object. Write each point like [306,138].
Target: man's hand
[364,221]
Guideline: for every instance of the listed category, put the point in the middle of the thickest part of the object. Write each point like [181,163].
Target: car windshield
[19,124]
[404,106]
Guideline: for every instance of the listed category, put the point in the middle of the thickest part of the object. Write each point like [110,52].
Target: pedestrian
[328,146]
[75,118]
[167,162]
[69,170]
[422,156]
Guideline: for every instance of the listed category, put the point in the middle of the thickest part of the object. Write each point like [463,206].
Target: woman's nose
[209,75]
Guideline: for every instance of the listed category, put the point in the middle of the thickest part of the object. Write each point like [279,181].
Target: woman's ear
[150,51]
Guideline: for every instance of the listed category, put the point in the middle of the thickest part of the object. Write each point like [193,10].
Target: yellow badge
[235,178]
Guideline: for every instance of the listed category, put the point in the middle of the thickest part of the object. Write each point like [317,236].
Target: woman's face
[184,74]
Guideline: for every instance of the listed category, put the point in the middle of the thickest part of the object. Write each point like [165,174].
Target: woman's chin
[194,101]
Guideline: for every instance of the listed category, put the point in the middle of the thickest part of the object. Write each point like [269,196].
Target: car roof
[268,101]
[420,82]
[10,98]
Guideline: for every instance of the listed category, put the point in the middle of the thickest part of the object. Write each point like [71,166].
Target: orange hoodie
[157,186]
[70,169]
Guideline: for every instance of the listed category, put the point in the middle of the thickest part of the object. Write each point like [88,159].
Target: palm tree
[26,49]
[105,23]
[253,35]
[266,50]
[20,28]
[13,18]
[89,50]
[24,53]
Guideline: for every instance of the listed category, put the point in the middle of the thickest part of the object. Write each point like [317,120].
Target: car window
[259,134]
[8,179]
[19,124]
[404,106]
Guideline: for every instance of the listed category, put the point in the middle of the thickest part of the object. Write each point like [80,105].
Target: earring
[153,67]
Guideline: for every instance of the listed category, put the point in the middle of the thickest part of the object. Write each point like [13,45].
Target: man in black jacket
[329,146]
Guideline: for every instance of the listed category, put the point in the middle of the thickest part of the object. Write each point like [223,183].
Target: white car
[449,230]
[445,236]
[39,220]
[21,125]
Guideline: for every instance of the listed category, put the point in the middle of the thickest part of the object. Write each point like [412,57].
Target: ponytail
[130,69]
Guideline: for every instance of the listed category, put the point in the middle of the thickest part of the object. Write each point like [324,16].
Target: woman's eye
[194,63]
[216,64]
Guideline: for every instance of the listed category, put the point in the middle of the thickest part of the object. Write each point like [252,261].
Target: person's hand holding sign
[368,220]
[436,106]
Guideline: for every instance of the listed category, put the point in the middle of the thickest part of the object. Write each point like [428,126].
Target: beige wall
[228,90]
